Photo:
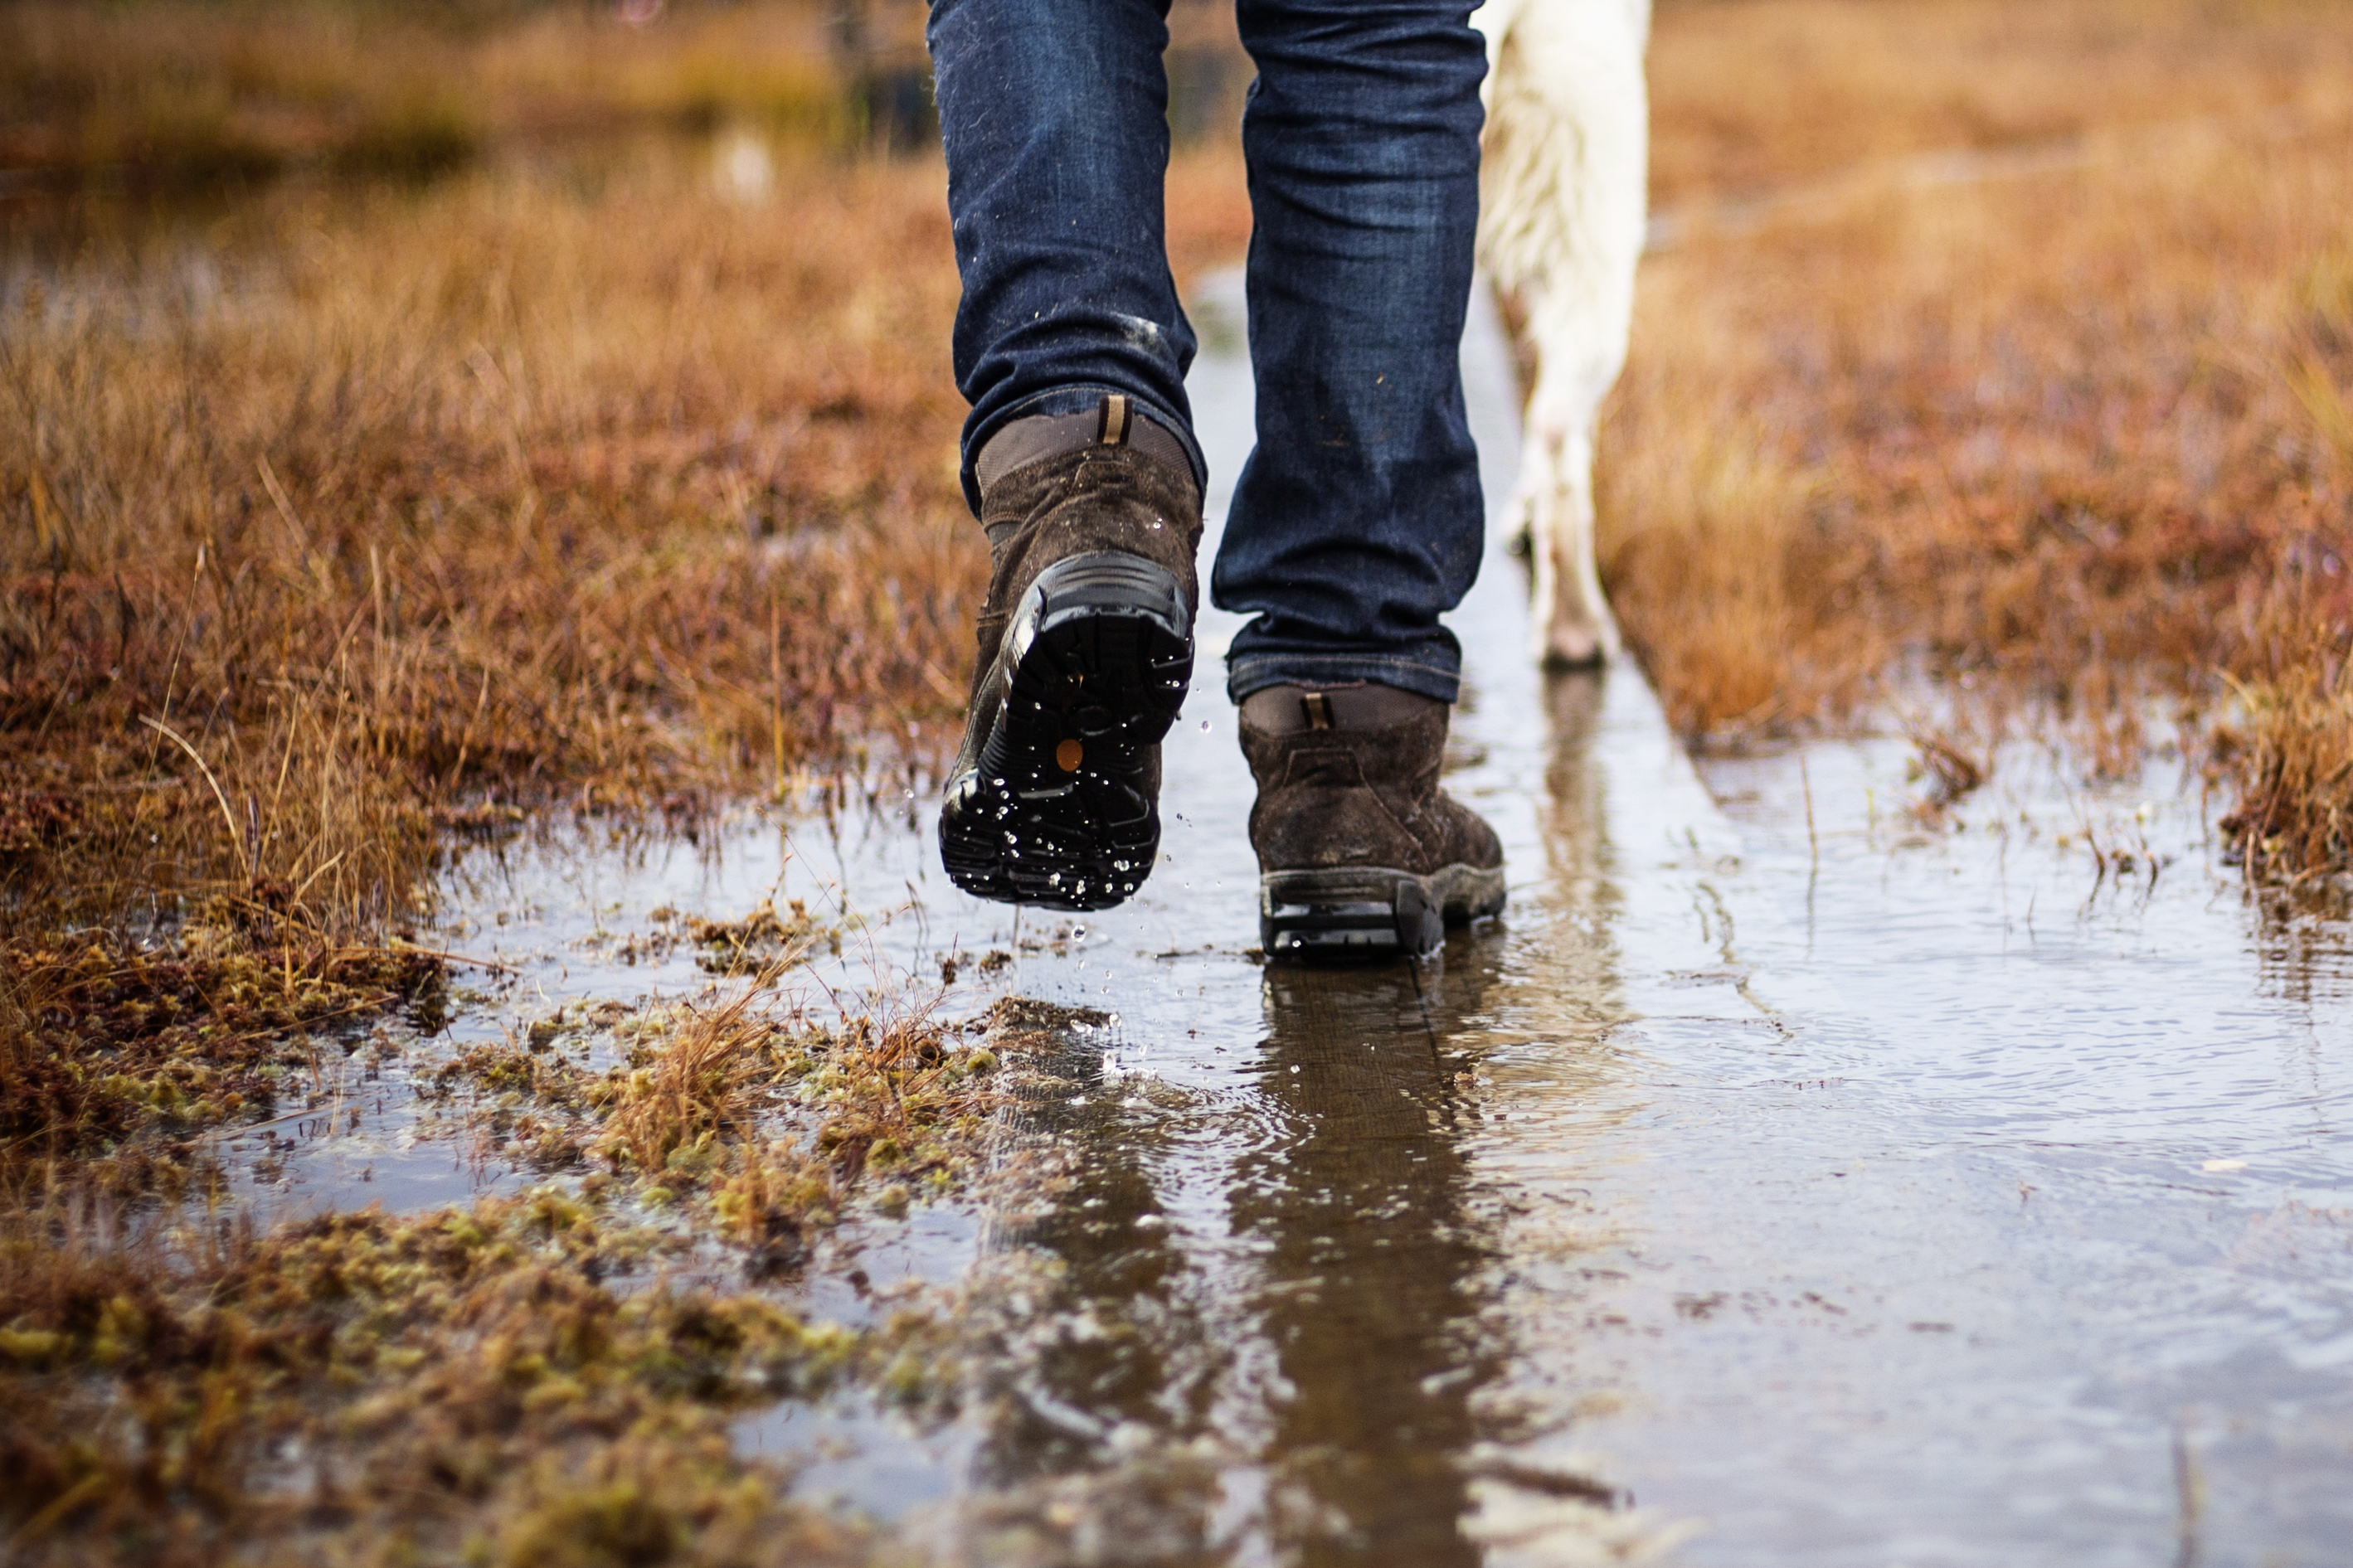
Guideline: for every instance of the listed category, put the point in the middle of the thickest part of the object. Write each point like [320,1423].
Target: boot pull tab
[1118,418]
[1318,708]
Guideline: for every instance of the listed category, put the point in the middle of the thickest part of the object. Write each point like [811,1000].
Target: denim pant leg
[1358,519]
[1054,114]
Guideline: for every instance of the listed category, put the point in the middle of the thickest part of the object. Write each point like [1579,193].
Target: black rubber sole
[1062,810]
[1361,913]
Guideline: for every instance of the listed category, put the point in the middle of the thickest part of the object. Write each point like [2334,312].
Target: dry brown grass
[359,516]
[763,1121]
[2293,749]
[359,513]
[700,1085]
[355,517]
[1208,210]
[1761,95]
[400,508]
[526,505]
[2075,436]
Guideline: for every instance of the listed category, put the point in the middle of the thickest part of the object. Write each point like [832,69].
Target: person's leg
[1358,519]
[1054,116]
[1077,456]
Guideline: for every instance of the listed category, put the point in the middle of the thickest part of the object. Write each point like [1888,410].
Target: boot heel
[1062,809]
[1100,649]
[1358,912]
[1371,912]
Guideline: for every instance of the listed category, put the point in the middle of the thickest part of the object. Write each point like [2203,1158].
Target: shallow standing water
[1782,1182]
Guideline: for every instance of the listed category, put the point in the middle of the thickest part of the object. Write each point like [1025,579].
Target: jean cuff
[1422,675]
[1080,399]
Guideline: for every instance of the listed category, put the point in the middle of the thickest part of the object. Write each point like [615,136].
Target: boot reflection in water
[1372,1261]
[1353,1257]
[1355,523]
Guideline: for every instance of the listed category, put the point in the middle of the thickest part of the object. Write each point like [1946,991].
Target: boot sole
[1360,913]
[1092,672]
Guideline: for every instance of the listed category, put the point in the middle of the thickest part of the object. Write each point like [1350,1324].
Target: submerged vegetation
[436,510]
[530,1380]
[119,1055]
[352,522]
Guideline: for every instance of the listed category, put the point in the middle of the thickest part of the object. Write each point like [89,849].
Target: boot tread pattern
[1371,912]
[1098,652]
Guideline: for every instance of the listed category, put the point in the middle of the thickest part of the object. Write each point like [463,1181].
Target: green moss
[121,1051]
[469,1376]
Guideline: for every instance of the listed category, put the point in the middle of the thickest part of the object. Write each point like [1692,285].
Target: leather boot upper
[1341,793]
[1099,496]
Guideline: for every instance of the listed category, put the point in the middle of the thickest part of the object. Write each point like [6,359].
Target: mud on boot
[1086,650]
[1360,854]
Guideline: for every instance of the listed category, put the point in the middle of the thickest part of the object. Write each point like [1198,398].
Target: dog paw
[1577,645]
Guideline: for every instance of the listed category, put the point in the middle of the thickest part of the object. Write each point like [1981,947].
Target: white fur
[1560,229]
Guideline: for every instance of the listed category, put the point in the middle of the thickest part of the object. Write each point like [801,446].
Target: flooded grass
[120,1055]
[543,1378]
[391,543]
[375,523]
[2293,749]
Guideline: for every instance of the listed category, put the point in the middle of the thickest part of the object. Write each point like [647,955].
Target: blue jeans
[1357,520]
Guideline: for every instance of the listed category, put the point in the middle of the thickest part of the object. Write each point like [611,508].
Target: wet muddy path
[1784,1181]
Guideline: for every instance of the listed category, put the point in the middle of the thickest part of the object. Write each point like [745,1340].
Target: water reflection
[1296,1374]
[1107,1367]
[1568,960]
[1369,1295]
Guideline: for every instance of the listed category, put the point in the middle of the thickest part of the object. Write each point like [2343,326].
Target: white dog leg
[1570,623]
[1582,630]
[1560,232]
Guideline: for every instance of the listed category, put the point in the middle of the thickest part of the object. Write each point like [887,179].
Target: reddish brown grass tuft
[2293,749]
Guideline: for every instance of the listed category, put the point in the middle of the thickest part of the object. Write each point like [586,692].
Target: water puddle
[1802,1179]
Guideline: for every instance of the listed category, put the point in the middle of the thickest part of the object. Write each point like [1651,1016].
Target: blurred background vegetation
[185,92]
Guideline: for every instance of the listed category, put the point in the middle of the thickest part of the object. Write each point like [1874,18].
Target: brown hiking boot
[1360,854]
[1086,650]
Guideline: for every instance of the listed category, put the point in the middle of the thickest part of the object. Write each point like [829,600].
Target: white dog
[1560,229]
